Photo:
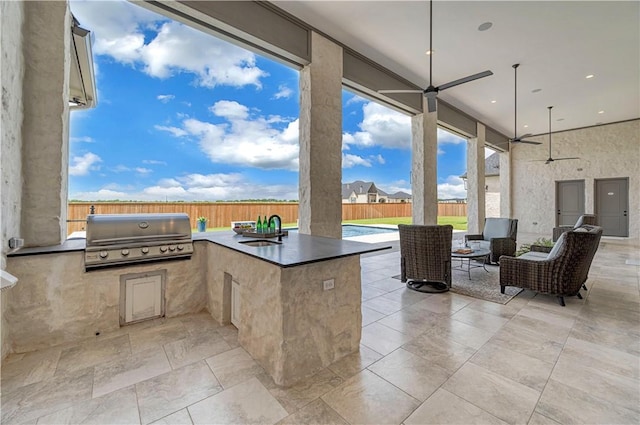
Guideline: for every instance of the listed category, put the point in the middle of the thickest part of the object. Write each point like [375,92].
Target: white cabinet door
[235,304]
[143,298]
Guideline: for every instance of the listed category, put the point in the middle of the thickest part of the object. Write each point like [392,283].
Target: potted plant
[202,224]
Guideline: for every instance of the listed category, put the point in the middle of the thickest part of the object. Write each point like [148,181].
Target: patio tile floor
[424,358]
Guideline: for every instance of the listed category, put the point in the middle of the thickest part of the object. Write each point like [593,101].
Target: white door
[143,298]
[235,304]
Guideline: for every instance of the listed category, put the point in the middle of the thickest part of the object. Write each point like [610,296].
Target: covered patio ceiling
[557,43]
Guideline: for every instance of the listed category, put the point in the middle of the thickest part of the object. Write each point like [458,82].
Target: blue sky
[185,116]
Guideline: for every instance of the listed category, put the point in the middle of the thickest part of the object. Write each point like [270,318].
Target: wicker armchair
[562,272]
[499,237]
[589,219]
[425,257]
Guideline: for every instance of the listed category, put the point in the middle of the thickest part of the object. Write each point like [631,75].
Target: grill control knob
[172,247]
[144,250]
[104,254]
[124,252]
[163,249]
[180,247]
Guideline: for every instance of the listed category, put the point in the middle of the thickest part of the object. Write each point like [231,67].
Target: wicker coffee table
[476,254]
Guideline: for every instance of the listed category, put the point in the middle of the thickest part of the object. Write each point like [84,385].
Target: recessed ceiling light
[536,90]
[493,101]
[601,112]
[525,126]
[589,76]
[485,26]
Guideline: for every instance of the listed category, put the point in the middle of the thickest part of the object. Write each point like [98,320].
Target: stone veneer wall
[11,76]
[281,309]
[57,302]
[606,151]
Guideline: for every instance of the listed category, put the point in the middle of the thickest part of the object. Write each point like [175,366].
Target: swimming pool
[352,230]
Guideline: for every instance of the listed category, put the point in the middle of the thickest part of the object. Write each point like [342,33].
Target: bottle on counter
[265,225]
[259,225]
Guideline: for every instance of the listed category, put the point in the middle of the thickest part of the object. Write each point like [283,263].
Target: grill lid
[118,229]
[120,239]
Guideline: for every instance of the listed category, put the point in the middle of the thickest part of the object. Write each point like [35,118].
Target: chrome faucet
[279,228]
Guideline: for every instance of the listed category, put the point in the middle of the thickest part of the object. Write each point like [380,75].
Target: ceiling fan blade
[400,91]
[465,80]
[431,103]
[529,142]
[561,159]
[548,161]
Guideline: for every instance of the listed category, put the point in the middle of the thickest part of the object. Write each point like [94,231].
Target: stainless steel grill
[119,239]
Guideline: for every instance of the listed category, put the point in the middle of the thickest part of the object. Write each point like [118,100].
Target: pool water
[351,230]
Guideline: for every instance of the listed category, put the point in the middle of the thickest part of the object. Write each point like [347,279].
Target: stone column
[45,130]
[424,161]
[505,184]
[475,182]
[320,208]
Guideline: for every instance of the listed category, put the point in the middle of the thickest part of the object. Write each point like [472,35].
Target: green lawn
[458,223]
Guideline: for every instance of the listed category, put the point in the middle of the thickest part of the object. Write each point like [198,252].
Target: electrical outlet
[328,284]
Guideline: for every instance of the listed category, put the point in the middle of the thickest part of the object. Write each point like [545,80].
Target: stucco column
[505,184]
[320,208]
[45,129]
[475,181]
[424,161]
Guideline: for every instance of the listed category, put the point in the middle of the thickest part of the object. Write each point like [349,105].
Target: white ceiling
[557,43]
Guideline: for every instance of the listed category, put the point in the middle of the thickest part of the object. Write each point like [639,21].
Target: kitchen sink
[260,242]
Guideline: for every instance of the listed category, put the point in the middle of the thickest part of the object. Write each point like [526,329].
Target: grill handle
[112,241]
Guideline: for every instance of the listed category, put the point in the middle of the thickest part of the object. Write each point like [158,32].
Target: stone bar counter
[289,323]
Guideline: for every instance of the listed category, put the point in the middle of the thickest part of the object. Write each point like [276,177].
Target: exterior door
[569,202]
[612,206]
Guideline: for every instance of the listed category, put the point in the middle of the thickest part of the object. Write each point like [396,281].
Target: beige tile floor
[441,358]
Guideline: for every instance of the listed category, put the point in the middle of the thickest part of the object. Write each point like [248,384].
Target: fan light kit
[431,92]
[517,139]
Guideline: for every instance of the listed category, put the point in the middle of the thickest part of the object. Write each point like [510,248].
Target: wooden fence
[221,214]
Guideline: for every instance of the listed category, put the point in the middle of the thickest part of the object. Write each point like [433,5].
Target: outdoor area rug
[483,285]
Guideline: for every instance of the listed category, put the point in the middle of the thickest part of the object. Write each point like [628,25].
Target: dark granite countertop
[296,249]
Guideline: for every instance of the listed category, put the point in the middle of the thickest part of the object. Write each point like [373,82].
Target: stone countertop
[296,249]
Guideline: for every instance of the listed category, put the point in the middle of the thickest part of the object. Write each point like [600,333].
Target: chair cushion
[556,248]
[579,222]
[496,228]
[534,256]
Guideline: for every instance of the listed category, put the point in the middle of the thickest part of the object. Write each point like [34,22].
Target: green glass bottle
[265,225]
[259,225]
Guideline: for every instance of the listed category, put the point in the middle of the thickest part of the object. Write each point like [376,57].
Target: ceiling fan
[550,159]
[517,139]
[431,92]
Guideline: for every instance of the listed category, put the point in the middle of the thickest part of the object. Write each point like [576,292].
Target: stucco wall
[11,75]
[45,153]
[607,151]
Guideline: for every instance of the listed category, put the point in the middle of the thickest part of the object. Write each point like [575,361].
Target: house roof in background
[491,166]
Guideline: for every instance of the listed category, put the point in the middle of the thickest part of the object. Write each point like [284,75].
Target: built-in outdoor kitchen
[296,303]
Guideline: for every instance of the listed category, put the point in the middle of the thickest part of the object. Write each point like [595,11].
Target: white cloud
[349,161]
[245,140]
[177,132]
[192,187]
[81,165]
[284,92]
[380,159]
[444,137]
[381,126]
[83,139]
[153,162]
[165,98]
[143,171]
[355,99]
[119,31]
[230,110]
[120,168]
[453,187]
